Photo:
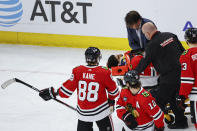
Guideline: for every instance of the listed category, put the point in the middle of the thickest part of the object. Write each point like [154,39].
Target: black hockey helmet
[191,35]
[132,78]
[92,55]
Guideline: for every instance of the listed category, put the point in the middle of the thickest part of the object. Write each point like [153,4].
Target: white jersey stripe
[93,112]
[69,91]
[187,78]
[119,107]
[157,113]
[65,92]
[187,82]
[158,116]
[144,126]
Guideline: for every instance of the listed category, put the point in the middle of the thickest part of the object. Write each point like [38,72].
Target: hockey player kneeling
[137,108]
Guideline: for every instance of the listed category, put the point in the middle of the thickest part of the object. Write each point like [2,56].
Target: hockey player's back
[188,62]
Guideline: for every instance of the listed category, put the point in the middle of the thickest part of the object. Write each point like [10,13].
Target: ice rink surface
[21,109]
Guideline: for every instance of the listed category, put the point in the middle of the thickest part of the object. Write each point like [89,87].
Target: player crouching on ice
[96,92]
[137,108]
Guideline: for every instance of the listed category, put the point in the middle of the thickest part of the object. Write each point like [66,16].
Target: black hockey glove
[129,120]
[111,102]
[180,101]
[159,129]
[48,94]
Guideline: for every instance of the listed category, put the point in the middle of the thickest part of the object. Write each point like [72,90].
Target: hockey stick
[9,82]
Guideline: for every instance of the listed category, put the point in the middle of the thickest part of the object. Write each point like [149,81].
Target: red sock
[195,125]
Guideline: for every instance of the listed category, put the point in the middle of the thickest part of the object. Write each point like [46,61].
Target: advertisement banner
[102,18]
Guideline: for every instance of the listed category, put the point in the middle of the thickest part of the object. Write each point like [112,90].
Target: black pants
[169,86]
[103,125]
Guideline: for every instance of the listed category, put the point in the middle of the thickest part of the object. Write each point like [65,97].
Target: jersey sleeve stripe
[187,78]
[194,90]
[66,91]
[187,82]
[115,92]
[157,115]
[144,126]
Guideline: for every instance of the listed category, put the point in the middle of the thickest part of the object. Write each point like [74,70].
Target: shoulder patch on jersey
[104,67]
[185,52]
[124,98]
[145,94]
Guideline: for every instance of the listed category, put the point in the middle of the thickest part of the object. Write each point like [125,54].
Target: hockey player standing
[137,108]
[189,74]
[92,82]
[164,50]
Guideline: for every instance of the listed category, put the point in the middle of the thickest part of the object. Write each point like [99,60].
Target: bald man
[164,50]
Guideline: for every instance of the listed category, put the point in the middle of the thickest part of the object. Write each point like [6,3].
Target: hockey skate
[179,125]
[170,119]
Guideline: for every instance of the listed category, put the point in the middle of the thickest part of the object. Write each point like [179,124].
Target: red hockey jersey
[149,71]
[94,86]
[149,77]
[145,105]
[188,62]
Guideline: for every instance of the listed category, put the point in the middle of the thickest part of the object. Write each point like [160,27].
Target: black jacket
[163,50]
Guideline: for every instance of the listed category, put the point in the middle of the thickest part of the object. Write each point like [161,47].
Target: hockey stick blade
[8,82]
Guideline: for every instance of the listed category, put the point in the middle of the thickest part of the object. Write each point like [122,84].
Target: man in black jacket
[134,23]
[164,50]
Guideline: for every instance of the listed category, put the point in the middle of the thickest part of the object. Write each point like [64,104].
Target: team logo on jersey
[72,77]
[125,98]
[145,94]
[185,52]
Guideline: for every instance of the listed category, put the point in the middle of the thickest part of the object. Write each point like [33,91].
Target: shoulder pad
[145,94]
[104,67]
[185,52]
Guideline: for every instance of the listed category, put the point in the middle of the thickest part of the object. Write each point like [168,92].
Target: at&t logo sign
[11,12]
